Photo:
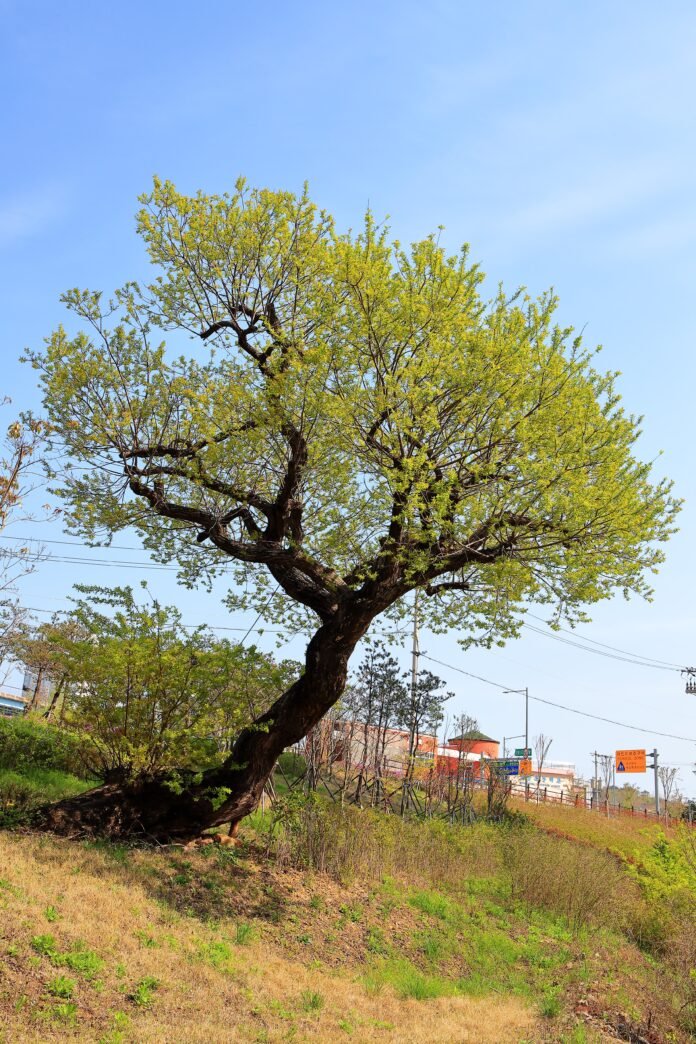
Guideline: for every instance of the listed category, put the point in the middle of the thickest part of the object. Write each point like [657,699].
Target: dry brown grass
[210,989]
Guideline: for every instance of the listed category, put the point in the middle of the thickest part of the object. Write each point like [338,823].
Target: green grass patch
[78,958]
[434,904]
[62,987]
[407,980]
[143,992]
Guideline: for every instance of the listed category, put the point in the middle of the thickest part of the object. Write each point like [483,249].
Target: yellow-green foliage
[666,873]
[353,401]
[145,693]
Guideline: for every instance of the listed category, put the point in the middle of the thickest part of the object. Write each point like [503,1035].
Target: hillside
[331,925]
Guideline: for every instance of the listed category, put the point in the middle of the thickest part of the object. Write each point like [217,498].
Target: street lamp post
[524,692]
[505,739]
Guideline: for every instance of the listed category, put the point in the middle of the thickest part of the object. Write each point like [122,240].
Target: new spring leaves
[351,419]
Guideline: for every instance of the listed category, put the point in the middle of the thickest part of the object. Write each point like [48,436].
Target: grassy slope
[624,836]
[208,947]
[99,943]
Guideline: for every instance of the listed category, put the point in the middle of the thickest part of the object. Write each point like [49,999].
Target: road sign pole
[526,717]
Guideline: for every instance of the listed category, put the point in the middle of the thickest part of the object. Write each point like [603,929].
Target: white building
[556,778]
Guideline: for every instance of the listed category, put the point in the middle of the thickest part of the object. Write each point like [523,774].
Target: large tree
[349,421]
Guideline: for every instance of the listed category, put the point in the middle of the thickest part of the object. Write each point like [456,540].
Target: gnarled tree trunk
[148,808]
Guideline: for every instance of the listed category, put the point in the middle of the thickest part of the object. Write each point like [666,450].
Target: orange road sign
[525,767]
[630,761]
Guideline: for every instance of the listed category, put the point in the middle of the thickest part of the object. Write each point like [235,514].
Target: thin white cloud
[657,238]
[600,196]
[29,213]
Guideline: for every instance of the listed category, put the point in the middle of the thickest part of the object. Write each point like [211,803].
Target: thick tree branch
[310,583]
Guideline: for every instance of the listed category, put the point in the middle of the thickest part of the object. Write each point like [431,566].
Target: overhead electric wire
[70,543]
[613,648]
[599,652]
[575,641]
[561,706]
[114,564]
[189,627]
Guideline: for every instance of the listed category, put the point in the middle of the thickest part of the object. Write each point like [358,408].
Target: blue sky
[559,140]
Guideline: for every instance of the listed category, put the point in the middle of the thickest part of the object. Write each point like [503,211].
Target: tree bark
[150,809]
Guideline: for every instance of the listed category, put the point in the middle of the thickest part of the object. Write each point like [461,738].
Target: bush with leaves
[29,743]
[146,694]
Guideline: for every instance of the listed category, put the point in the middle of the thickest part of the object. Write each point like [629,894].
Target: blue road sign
[510,768]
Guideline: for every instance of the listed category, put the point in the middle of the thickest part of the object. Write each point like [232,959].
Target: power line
[576,640]
[189,627]
[600,652]
[593,641]
[562,706]
[69,543]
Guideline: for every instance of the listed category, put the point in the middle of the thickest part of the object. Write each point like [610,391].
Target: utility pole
[415,653]
[595,781]
[654,755]
[415,650]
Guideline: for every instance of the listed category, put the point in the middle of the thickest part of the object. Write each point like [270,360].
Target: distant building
[38,688]
[557,778]
[475,742]
[11,705]
[362,745]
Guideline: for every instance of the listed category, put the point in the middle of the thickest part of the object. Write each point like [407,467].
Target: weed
[217,954]
[550,1005]
[61,986]
[51,914]
[114,850]
[82,960]
[312,1001]
[45,945]
[65,1012]
[317,903]
[243,933]
[431,903]
[351,913]
[432,946]
[78,957]
[375,941]
[407,981]
[146,940]
[144,990]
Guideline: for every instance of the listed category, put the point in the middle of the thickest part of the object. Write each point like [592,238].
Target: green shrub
[17,799]
[29,743]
